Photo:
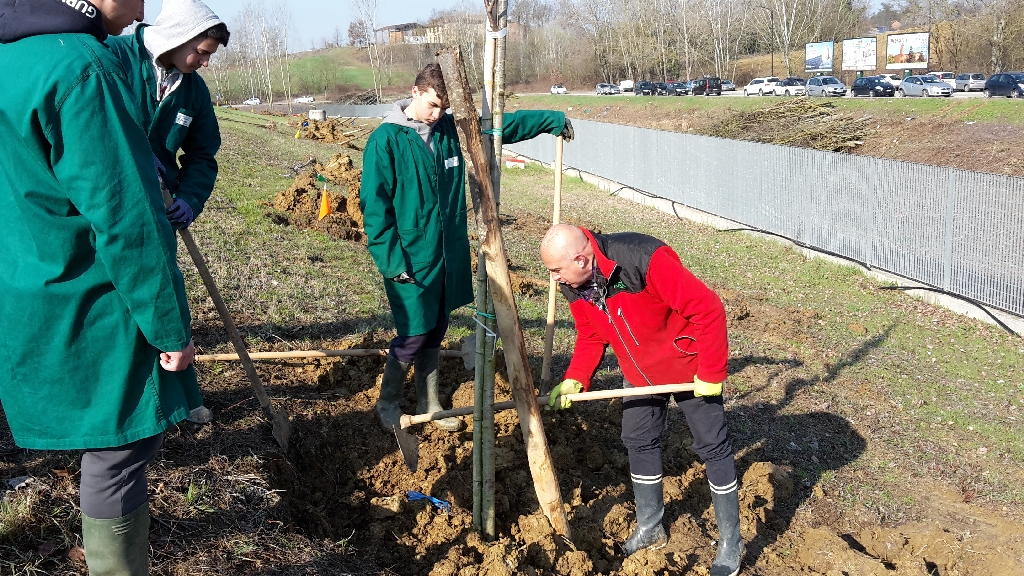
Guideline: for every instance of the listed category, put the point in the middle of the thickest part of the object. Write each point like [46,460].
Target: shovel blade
[410,447]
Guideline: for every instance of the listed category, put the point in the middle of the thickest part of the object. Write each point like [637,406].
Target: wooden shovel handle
[409,420]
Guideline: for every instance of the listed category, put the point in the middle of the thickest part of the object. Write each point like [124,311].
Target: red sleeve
[589,349]
[671,282]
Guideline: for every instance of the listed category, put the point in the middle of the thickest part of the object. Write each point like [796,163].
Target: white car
[924,86]
[947,77]
[792,86]
[625,85]
[303,100]
[893,79]
[825,86]
[760,86]
[559,89]
[254,101]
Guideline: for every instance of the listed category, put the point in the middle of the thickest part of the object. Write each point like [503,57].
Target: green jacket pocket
[179,130]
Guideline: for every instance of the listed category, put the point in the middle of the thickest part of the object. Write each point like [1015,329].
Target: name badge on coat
[451,162]
[184,120]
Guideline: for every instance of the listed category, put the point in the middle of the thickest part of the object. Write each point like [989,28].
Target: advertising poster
[818,57]
[860,54]
[907,51]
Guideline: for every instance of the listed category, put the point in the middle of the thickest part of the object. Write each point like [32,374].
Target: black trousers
[406,348]
[643,419]
[114,479]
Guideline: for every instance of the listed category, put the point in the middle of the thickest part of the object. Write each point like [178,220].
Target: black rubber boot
[389,402]
[730,544]
[117,547]
[426,389]
[650,507]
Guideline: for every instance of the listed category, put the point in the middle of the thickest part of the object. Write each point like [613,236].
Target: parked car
[678,89]
[706,86]
[626,85]
[254,101]
[825,86]
[791,86]
[607,89]
[872,86]
[760,86]
[1009,84]
[969,82]
[559,89]
[303,100]
[893,79]
[728,85]
[925,85]
[644,88]
[661,89]
[947,77]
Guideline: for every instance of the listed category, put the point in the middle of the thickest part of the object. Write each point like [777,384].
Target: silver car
[969,82]
[924,86]
[825,86]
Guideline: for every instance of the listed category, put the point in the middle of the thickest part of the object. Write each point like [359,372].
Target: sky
[317,19]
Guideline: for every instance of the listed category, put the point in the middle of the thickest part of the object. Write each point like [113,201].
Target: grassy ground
[882,408]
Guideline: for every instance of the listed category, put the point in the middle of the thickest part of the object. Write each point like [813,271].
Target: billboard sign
[860,54]
[818,57]
[907,51]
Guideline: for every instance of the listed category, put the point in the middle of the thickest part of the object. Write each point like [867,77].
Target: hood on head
[179,21]
[24,18]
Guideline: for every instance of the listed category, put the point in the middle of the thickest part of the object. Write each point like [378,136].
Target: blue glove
[180,214]
[161,172]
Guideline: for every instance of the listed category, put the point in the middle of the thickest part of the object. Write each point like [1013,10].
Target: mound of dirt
[797,122]
[301,202]
[333,131]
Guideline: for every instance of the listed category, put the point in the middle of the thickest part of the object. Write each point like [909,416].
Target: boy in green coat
[175,106]
[94,322]
[414,204]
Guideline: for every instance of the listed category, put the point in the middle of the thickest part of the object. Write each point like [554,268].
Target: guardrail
[954,230]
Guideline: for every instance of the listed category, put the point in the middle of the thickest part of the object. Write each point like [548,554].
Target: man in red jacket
[666,327]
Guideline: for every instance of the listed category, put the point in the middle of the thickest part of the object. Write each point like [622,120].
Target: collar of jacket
[605,265]
[24,18]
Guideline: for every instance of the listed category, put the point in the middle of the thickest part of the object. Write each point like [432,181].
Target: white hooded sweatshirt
[179,21]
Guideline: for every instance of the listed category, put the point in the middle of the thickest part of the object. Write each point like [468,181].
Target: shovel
[410,445]
[281,426]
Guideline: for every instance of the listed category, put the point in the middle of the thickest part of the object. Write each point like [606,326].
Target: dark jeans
[114,479]
[643,419]
[406,348]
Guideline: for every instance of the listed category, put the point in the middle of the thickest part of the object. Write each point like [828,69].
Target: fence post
[947,250]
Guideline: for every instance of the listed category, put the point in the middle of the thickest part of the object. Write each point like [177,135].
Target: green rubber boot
[426,389]
[650,508]
[389,402]
[118,547]
[730,543]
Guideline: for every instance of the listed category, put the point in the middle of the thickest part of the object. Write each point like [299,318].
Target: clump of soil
[301,202]
[797,122]
[332,131]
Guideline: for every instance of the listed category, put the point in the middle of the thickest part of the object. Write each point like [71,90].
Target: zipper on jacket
[626,346]
[628,329]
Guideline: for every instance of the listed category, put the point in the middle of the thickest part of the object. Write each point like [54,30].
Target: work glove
[706,388]
[557,400]
[180,214]
[567,132]
[161,172]
[404,278]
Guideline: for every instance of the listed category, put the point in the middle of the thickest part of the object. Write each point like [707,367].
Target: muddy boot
[730,544]
[389,402]
[426,389]
[650,507]
[118,547]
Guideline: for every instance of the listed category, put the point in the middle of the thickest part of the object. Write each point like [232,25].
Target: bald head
[567,253]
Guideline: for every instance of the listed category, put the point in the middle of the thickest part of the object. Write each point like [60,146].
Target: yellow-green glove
[557,400]
[706,388]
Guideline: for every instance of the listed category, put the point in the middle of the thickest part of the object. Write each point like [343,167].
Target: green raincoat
[91,288]
[183,120]
[414,206]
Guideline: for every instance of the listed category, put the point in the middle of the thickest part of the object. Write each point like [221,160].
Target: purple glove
[180,214]
[161,172]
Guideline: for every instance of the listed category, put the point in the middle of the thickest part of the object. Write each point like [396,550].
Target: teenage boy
[94,323]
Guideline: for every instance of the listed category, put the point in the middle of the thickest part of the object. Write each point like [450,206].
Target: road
[736,93]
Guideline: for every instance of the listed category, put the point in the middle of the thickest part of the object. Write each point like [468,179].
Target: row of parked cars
[936,84]
[706,86]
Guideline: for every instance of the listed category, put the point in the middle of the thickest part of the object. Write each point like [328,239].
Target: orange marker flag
[325,204]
